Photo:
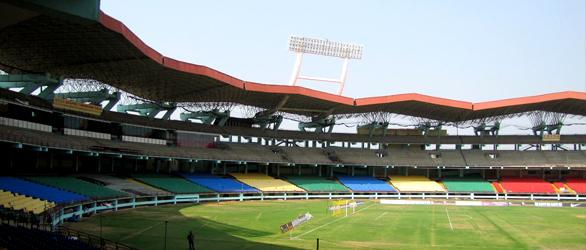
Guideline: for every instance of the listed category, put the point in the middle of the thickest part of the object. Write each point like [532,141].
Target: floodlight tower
[322,47]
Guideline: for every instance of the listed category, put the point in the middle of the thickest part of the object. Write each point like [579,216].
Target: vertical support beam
[343,76]
[352,170]
[296,68]
[319,171]
[76,163]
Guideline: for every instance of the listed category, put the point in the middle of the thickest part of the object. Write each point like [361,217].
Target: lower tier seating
[316,184]
[415,184]
[266,183]
[219,184]
[467,185]
[32,189]
[75,185]
[526,185]
[25,238]
[577,184]
[365,184]
[172,184]
[24,203]
[125,185]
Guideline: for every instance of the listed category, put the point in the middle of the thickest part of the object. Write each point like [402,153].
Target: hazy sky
[466,50]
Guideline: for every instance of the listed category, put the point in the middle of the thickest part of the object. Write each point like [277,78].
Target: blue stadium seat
[365,184]
[43,192]
[219,184]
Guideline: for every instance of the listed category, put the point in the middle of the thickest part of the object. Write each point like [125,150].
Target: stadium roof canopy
[77,40]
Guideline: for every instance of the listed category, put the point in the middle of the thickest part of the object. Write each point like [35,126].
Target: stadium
[108,144]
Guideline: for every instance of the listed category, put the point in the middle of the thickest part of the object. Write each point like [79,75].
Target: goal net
[342,207]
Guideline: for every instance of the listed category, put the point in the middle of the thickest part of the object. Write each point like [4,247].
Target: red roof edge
[530,100]
[297,90]
[413,97]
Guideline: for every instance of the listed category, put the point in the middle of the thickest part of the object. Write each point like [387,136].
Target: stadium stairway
[24,203]
[266,183]
[577,184]
[27,188]
[219,184]
[365,184]
[498,188]
[75,185]
[316,184]
[125,185]
[562,188]
[171,184]
[526,185]
[473,185]
[415,184]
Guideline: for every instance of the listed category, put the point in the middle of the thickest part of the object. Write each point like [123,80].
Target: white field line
[381,215]
[137,233]
[258,216]
[297,237]
[449,220]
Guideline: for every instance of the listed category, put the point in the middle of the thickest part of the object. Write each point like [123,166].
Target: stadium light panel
[325,47]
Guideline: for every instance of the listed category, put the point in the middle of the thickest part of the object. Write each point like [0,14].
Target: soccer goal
[342,207]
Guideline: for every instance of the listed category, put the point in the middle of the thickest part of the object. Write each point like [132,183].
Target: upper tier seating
[317,184]
[25,203]
[306,155]
[365,184]
[28,188]
[415,184]
[75,185]
[266,183]
[410,157]
[467,184]
[526,185]
[577,184]
[172,184]
[126,185]
[219,184]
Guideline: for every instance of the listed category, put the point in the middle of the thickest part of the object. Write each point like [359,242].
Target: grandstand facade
[68,155]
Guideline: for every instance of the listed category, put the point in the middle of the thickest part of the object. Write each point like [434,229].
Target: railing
[93,240]
[76,211]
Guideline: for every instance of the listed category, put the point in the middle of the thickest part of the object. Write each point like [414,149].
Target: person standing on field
[190,240]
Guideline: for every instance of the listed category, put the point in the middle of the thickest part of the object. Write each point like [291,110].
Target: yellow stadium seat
[416,184]
[266,183]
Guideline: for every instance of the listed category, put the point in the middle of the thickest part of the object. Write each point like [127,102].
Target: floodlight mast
[322,47]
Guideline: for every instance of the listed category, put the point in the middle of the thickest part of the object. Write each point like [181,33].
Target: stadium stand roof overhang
[80,42]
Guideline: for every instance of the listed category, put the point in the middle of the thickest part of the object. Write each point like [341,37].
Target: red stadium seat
[526,185]
[577,184]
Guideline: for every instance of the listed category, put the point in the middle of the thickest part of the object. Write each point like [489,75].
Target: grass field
[255,225]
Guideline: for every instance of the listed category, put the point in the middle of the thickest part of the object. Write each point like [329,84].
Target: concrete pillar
[319,171]
[76,163]
[352,170]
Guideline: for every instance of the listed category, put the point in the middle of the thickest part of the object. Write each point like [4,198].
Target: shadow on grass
[144,228]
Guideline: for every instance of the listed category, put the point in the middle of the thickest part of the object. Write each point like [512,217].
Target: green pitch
[255,225]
